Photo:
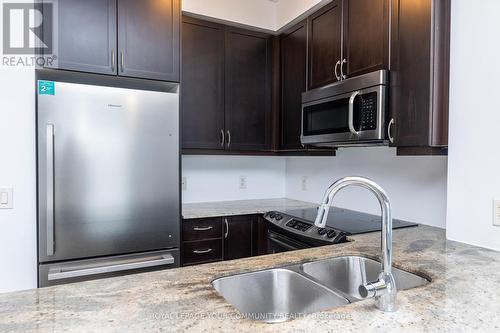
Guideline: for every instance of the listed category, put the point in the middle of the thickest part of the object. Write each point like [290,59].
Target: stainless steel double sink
[280,294]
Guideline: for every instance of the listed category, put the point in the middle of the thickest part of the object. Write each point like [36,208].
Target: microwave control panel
[369,111]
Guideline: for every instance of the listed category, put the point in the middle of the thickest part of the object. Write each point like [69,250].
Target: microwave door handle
[351,112]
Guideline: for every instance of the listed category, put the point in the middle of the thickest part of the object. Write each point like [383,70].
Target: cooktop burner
[349,221]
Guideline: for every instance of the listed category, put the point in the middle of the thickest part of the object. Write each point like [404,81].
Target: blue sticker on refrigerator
[46,88]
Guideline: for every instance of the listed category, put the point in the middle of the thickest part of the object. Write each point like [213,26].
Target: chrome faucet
[384,289]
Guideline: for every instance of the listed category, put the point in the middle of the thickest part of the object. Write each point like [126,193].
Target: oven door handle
[351,112]
[283,244]
[286,242]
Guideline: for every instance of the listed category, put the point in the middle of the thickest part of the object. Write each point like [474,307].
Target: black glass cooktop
[349,221]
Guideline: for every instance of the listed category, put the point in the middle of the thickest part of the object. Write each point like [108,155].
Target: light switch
[304,183]
[496,213]
[6,198]
[243,182]
[184,183]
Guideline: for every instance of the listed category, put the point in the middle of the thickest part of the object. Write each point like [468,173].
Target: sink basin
[280,294]
[346,274]
[276,295]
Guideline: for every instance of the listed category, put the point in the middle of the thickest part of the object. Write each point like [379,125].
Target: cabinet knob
[389,130]
[228,139]
[122,61]
[227,229]
[336,72]
[222,138]
[344,61]
[203,228]
[113,61]
[202,251]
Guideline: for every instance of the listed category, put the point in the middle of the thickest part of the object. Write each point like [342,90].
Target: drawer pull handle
[203,228]
[202,251]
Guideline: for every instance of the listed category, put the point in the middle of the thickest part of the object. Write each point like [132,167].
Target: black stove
[298,226]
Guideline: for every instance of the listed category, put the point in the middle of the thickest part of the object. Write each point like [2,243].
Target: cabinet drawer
[200,229]
[201,251]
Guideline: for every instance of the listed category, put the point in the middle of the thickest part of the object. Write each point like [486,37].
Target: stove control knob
[331,234]
[322,231]
[279,217]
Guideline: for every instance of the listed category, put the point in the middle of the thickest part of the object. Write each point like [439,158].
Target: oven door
[357,117]
[278,243]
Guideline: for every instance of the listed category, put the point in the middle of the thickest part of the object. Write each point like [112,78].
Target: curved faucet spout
[384,290]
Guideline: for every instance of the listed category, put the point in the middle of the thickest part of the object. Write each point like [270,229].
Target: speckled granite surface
[463,296]
[241,207]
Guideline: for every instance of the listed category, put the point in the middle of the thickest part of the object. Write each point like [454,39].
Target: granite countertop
[462,296]
[240,207]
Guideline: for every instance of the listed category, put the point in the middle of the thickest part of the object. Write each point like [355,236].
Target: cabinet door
[420,73]
[202,97]
[248,90]
[85,36]
[148,39]
[366,36]
[238,237]
[325,39]
[293,84]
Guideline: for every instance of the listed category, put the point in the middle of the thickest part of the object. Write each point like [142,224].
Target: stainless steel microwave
[346,113]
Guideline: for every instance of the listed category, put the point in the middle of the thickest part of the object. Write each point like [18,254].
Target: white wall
[415,185]
[474,159]
[258,13]
[18,253]
[17,169]
[216,178]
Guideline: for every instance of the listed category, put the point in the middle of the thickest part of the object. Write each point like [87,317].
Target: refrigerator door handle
[61,274]
[50,190]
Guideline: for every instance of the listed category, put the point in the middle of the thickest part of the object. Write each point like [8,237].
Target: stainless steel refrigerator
[108,181]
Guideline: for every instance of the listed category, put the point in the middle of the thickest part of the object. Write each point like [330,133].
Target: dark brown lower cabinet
[238,237]
[259,237]
[200,252]
[223,238]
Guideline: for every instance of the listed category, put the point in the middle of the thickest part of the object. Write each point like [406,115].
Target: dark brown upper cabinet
[238,237]
[420,76]
[366,36]
[202,97]
[148,39]
[293,84]
[248,90]
[325,40]
[119,37]
[348,38]
[226,89]
[85,36]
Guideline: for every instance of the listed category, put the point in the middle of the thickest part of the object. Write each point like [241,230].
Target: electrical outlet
[243,182]
[6,198]
[304,183]
[184,183]
[496,212]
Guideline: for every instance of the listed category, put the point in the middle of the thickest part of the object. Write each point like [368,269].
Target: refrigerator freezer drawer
[91,269]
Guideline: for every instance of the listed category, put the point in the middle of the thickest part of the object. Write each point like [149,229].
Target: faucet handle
[383,290]
[373,289]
